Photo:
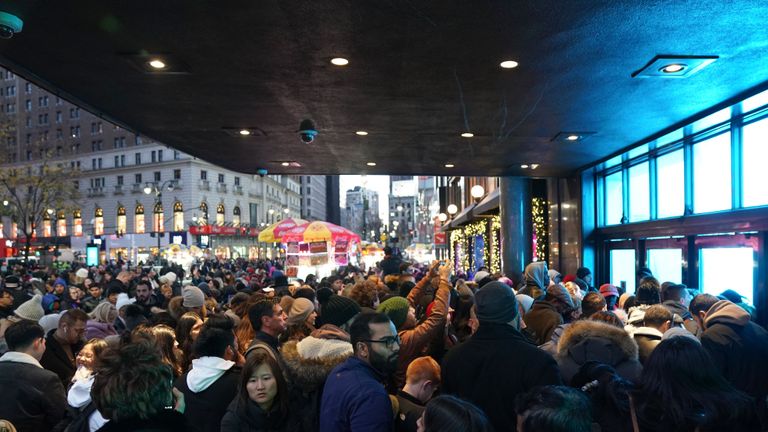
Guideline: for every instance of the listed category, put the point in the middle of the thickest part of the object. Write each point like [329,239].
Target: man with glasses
[354,398]
[63,343]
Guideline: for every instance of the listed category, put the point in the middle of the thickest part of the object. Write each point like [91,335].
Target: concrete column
[516,224]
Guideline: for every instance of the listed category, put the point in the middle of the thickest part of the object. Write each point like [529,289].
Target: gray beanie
[495,302]
[193,297]
[31,309]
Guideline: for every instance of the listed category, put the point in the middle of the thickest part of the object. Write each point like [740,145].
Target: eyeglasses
[390,341]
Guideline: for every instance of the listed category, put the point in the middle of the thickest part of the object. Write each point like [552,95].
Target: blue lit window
[623,268]
[712,174]
[755,155]
[614,210]
[666,264]
[639,193]
[670,195]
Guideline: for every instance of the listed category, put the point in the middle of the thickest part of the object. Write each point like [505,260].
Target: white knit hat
[123,300]
[315,348]
[169,278]
[82,273]
[31,309]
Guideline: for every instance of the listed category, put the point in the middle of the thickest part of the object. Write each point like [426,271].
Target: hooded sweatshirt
[738,348]
[208,389]
[536,280]
[79,396]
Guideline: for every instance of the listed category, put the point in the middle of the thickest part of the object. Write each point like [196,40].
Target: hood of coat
[725,312]
[205,371]
[79,395]
[309,374]
[586,340]
[536,273]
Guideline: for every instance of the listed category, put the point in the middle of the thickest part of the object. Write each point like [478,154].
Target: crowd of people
[235,345]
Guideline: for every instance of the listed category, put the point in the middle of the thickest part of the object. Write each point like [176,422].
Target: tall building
[362,213]
[115,166]
[313,197]
[403,206]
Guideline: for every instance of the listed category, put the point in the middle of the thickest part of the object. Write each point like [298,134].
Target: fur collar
[582,330]
[307,374]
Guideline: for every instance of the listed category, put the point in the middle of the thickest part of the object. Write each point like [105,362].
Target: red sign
[223,230]
[440,238]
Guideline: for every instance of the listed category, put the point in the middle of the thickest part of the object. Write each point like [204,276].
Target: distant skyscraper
[362,213]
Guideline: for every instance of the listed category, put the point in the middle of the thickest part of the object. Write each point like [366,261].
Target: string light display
[540,232]
[464,238]
[495,244]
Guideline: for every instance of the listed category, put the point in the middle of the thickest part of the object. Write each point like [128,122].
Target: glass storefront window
[755,154]
[712,174]
[727,268]
[614,209]
[623,268]
[637,151]
[639,193]
[613,161]
[670,195]
[666,264]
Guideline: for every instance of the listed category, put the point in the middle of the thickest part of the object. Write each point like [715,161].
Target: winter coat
[164,421]
[208,389]
[306,378]
[494,366]
[100,330]
[250,418]
[551,345]
[413,342]
[55,359]
[739,349]
[587,340]
[354,399]
[32,398]
[541,321]
[409,410]
[647,338]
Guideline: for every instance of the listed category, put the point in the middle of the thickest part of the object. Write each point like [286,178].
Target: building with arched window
[178,216]
[220,214]
[98,221]
[122,220]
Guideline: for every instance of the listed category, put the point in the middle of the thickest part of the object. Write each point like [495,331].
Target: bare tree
[45,183]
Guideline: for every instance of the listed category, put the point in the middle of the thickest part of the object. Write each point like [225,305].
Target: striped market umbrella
[319,231]
[274,232]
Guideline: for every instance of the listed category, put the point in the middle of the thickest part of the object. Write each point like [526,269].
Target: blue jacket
[354,400]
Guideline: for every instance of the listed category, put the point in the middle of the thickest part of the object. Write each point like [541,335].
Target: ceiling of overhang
[420,73]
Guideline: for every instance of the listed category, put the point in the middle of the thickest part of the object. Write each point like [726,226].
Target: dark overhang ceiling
[420,73]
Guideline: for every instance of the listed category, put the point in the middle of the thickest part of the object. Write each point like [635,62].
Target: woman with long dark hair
[262,400]
[186,332]
[681,390]
[450,414]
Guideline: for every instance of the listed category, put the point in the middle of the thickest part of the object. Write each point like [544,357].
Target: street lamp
[286,210]
[442,217]
[477,192]
[150,188]
[452,209]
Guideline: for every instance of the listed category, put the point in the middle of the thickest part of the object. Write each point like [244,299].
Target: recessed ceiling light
[508,64]
[524,166]
[245,132]
[467,135]
[361,133]
[157,64]
[449,165]
[678,66]
[534,166]
[371,164]
[673,68]
[339,61]
[572,137]
[285,164]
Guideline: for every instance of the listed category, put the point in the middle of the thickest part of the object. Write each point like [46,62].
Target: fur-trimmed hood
[586,340]
[309,374]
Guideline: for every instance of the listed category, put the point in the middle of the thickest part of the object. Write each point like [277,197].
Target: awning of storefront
[488,206]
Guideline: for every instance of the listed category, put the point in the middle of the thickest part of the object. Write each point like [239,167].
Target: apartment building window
[58,151]
[137,178]
[120,180]
[96,145]
[237,181]
[177,174]
[28,88]
[10,108]
[137,140]
[221,178]
[176,155]
[29,155]
[154,156]
[309,179]
[178,216]
[42,101]
[58,116]
[29,122]
[76,148]
[120,142]
[122,223]
[157,216]
[99,162]
[76,184]
[122,160]
[157,176]
[59,134]
[28,104]
[309,192]
[74,113]
[159,155]
[58,100]
[139,218]
[117,161]
[74,131]
[12,91]
[98,221]
[203,175]
[138,158]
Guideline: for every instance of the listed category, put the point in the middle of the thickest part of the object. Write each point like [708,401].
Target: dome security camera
[307,131]
[9,25]
[261,172]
